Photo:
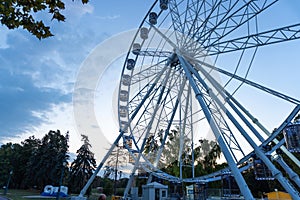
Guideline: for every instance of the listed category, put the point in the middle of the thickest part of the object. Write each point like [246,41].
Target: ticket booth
[155,191]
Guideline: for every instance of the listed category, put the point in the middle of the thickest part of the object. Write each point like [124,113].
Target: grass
[24,194]
[21,195]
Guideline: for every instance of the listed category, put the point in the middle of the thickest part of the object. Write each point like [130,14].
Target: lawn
[25,194]
[34,194]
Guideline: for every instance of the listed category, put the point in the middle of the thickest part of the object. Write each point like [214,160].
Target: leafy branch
[22,14]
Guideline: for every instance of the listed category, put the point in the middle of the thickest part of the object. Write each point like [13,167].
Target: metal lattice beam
[255,40]
[236,15]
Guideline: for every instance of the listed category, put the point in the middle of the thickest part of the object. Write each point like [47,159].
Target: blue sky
[37,77]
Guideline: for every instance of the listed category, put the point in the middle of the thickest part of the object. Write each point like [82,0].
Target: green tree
[209,161]
[15,157]
[6,156]
[171,148]
[117,159]
[206,154]
[82,167]
[23,14]
[17,160]
[114,164]
[47,161]
[22,155]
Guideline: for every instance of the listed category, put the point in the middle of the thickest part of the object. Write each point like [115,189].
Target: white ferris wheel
[187,68]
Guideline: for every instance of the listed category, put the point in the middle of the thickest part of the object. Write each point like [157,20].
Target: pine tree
[82,167]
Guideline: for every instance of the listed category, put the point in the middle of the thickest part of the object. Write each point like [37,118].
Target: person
[102,197]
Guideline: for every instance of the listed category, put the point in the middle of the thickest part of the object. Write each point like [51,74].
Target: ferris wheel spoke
[140,125]
[170,122]
[166,119]
[208,23]
[277,174]
[255,121]
[191,16]
[187,19]
[240,180]
[232,22]
[284,124]
[176,17]
[231,101]
[251,83]
[150,73]
[147,117]
[142,98]
[223,23]
[184,130]
[165,37]
[217,110]
[153,53]
[278,35]
[148,127]
[159,96]
[197,19]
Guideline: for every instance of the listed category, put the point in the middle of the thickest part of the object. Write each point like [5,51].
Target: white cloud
[3,39]
[109,17]
[76,9]
[59,117]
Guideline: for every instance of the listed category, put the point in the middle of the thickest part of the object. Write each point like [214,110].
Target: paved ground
[3,198]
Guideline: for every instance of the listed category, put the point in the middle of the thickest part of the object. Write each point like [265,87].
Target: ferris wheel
[184,78]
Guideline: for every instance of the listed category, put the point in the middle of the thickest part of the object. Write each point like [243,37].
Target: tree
[23,13]
[114,164]
[14,158]
[6,155]
[47,161]
[82,167]
[18,160]
[170,149]
[205,155]
[117,159]
[29,147]
[209,162]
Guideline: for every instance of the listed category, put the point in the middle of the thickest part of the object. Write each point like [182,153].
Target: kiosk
[155,191]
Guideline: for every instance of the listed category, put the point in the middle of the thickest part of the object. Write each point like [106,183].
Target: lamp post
[119,159]
[116,170]
[61,179]
[9,177]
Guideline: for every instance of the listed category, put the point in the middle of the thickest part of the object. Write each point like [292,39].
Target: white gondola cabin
[124,126]
[144,33]
[153,18]
[130,64]
[123,111]
[123,95]
[164,4]
[136,48]
[126,79]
